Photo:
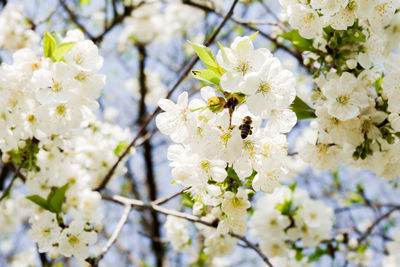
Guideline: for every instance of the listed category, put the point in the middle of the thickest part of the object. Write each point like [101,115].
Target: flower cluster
[349,49]
[48,98]
[286,217]
[234,136]
[49,130]
[77,169]
[15,31]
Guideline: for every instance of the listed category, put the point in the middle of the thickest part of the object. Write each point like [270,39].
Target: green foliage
[232,182]
[120,147]
[202,259]
[207,75]
[293,186]
[49,44]
[61,50]
[286,208]
[53,48]
[253,36]
[302,110]
[84,2]
[54,200]
[26,155]
[317,254]
[248,181]
[299,42]
[363,150]
[187,200]
[205,55]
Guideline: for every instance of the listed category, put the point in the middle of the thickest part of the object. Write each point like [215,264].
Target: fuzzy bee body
[246,128]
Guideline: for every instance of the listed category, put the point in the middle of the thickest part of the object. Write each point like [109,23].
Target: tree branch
[166,199]
[151,206]
[16,173]
[114,236]
[376,222]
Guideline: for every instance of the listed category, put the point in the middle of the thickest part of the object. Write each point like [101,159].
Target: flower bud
[351,63]
[21,144]
[339,238]
[328,59]
[353,243]
[5,157]
[216,104]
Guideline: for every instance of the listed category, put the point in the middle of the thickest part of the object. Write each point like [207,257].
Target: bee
[246,128]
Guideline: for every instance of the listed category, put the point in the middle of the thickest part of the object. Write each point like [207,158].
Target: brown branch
[75,19]
[166,199]
[155,226]
[142,129]
[151,206]
[250,26]
[16,173]
[376,222]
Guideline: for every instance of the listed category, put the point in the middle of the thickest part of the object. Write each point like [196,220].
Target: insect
[246,127]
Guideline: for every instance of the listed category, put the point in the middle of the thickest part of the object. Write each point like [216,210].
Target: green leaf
[293,186]
[302,110]
[285,208]
[56,37]
[39,201]
[249,180]
[120,147]
[84,2]
[56,198]
[298,41]
[206,75]
[187,200]
[253,36]
[61,50]
[318,253]
[232,173]
[49,45]
[205,55]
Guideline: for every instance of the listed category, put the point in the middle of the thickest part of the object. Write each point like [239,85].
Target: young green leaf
[39,201]
[302,110]
[84,2]
[207,75]
[205,55]
[61,50]
[56,198]
[253,36]
[57,37]
[249,180]
[49,45]
[298,41]
[120,147]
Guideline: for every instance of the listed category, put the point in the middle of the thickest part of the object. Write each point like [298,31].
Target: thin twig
[146,122]
[7,190]
[114,235]
[166,199]
[151,206]
[376,222]
[250,26]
